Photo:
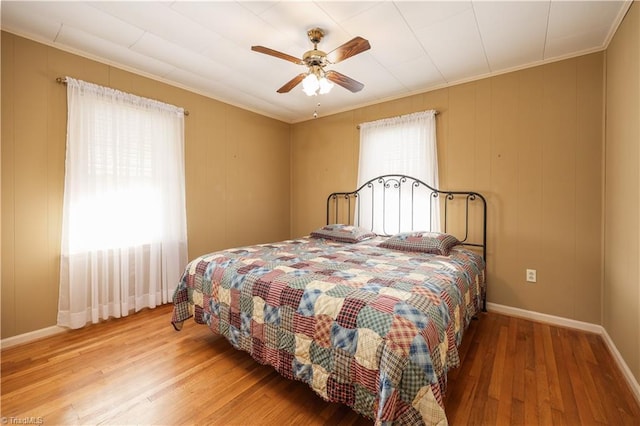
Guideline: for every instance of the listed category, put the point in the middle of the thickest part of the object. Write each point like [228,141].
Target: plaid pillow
[343,233]
[422,241]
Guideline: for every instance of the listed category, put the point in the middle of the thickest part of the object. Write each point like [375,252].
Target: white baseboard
[549,319]
[31,336]
[633,383]
[579,325]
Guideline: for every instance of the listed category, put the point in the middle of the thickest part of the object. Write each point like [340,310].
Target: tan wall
[621,287]
[237,172]
[531,142]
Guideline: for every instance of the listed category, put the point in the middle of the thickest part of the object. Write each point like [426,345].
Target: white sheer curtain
[399,145]
[124,233]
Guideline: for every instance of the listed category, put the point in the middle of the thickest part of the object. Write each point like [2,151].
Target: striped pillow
[343,233]
[422,241]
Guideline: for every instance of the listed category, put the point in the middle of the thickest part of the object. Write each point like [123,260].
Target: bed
[368,310]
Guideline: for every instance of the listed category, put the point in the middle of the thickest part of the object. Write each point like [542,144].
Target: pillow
[343,233]
[422,241]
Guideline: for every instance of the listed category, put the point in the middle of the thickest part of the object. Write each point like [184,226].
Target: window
[403,145]
[124,217]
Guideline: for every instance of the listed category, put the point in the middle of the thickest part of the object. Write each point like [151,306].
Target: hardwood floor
[138,370]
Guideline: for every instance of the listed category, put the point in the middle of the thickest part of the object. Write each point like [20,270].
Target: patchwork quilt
[373,328]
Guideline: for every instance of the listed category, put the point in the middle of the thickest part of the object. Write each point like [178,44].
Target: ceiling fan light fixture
[315,80]
[316,83]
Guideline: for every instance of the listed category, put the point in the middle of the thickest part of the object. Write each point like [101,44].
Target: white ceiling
[416,46]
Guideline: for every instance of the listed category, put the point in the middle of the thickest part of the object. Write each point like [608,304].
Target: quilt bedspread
[372,328]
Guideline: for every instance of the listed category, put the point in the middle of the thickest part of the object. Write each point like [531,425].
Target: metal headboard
[462,213]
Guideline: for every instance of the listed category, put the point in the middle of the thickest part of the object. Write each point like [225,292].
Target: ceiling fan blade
[349,49]
[292,83]
[277,54]
[344,81]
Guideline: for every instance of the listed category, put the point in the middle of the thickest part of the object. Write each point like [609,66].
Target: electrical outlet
[531,275]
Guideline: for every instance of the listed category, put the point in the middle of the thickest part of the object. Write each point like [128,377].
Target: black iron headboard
[390,204]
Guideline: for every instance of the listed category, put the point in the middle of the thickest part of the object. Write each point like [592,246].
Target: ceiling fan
[317,79]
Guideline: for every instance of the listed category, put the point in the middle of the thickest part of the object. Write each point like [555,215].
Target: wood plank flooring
[138,370]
